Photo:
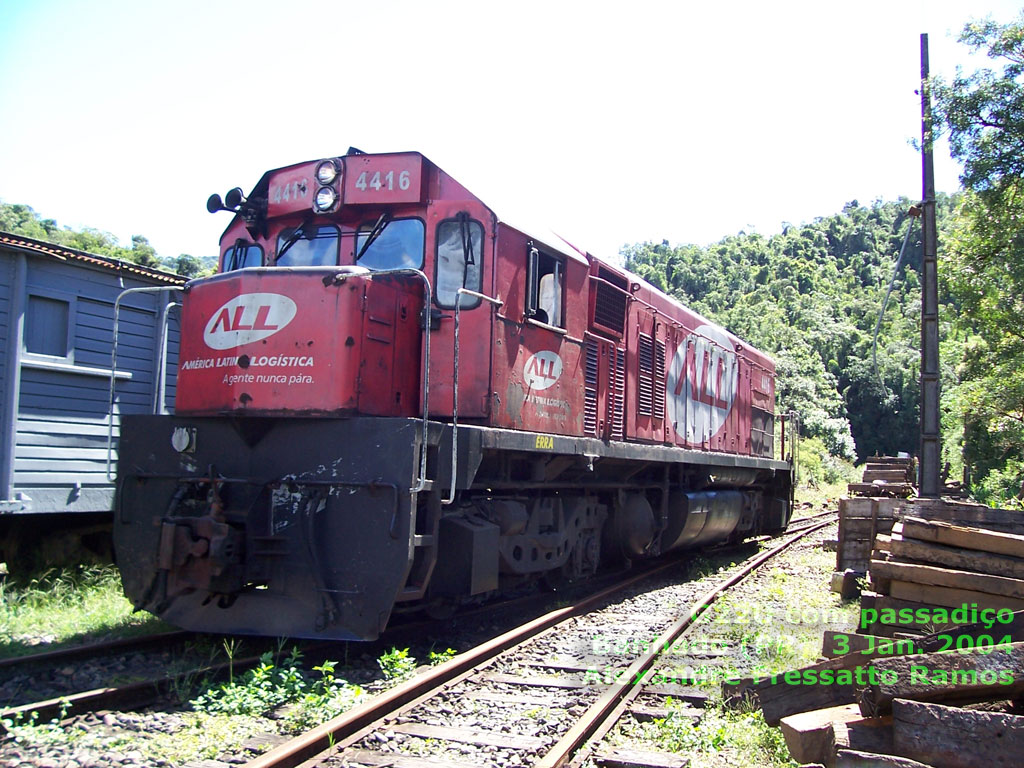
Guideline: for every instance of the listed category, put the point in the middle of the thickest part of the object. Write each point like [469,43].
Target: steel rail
[130,696]
[292,753]
[355,723]
[60,655]
[602,714]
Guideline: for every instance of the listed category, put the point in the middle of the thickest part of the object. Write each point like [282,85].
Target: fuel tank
[702,518]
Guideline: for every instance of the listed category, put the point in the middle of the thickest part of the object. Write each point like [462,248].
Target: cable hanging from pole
[914,212]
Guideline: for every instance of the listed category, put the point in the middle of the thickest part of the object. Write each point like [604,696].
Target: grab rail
[497,304]
[161,363]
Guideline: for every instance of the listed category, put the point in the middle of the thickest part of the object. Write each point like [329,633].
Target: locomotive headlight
[325,199]
[183,439]
[327,172]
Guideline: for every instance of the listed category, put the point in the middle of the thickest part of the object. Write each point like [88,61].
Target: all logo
[542,370]
[248,318]
[701,384]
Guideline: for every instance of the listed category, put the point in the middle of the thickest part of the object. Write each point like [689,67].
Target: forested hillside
[811,297]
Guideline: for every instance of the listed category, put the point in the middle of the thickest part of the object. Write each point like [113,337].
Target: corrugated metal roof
[42,248]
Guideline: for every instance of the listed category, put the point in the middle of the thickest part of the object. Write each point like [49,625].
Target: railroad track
[800,523]
[60,672]
[518,673]
[519,668]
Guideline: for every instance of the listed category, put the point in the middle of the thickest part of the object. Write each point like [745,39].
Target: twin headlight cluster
[326,198]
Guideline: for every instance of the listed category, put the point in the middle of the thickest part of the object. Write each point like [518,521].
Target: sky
[610,123]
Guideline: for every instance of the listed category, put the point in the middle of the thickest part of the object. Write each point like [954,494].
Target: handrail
[421,481]
[497,303]
[113,363]
[160,396]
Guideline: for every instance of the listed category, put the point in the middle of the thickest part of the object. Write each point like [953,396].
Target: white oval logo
[542,370]
[701,384]
[248,318]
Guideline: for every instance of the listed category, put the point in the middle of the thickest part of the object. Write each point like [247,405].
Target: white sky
[612,123]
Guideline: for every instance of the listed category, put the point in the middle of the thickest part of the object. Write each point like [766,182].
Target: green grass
[279,694]
[304,699]
[741,738]
[60,607]
[397,664]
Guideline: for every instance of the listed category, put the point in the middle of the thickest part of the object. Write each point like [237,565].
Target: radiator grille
[617,402]
[590,390]
[610,308]
[645,375]
[659,380]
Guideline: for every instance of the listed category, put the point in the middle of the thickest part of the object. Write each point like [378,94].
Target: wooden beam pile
[934,675]
[969,560]
[886,476]
[860,520]
[908,698]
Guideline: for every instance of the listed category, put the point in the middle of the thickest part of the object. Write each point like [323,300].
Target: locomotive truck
[391,397]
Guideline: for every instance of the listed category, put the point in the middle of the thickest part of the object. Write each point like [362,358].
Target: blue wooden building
[56,329]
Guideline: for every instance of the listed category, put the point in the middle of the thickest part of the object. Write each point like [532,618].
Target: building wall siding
[61,432]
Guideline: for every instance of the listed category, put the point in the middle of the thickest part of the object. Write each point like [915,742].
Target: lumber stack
[892,476]
[965,513]
[928,564]
[933,676]
[860,521]
[888,702]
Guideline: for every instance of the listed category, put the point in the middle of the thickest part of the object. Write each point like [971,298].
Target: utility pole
[931,440]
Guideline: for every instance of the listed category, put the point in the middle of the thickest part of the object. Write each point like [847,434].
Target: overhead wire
[914,213]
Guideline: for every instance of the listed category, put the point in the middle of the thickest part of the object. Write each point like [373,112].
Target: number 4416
[386,181]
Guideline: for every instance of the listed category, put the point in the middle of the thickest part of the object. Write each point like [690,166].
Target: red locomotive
[389,395]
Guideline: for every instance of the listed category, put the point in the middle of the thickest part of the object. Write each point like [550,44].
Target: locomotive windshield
[298,251]
[395,244]
[242,255]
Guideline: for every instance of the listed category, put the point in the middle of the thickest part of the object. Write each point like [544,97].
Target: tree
[187,266]
[810,297]
[983,114]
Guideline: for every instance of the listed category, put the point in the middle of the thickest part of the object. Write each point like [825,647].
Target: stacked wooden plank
[860,521]
[971,558]
[886,476]
[892,699]
[938,655]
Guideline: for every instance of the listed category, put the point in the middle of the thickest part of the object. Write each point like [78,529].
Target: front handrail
[161,361]
[421,481]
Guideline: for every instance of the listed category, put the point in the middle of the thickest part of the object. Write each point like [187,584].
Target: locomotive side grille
[609,306]
[590,390]
[645,374]
[617,402]
[659,379]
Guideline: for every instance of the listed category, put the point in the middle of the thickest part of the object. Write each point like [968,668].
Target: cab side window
[459,253]
[545,278]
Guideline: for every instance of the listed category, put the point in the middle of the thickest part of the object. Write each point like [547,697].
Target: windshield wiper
[467,240]
[375,232]
[297,234]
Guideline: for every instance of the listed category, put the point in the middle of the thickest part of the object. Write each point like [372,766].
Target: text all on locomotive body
[391,396]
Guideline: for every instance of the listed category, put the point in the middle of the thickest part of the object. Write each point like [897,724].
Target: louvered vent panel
[590,390]
[617,402]
[610,308]
[645,374]
[659,379]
